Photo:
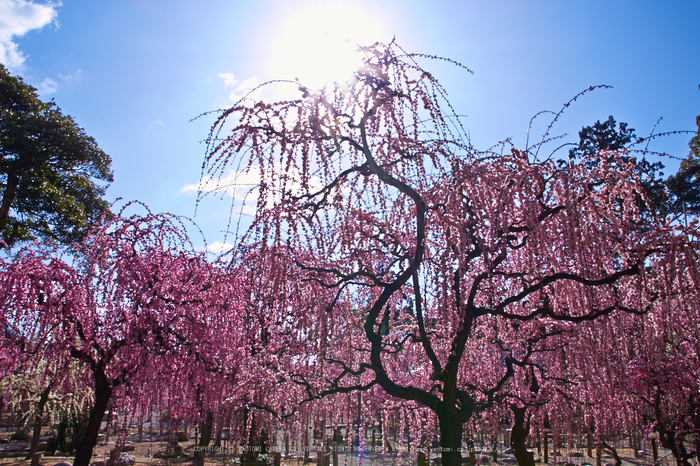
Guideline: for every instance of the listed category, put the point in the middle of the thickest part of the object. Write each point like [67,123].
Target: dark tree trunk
[250,455]
[204,439]
[472,452]
[670,441]
[13,179]
[668,436]
[589,440]
[421,460]
[635,443]
[494,449]
[103,393]
[694,408]
[321,457]
[306,444]
[38,416]
[396,429]
[450,420]
[618,461]
[219,434]
[521,429]
[356,442]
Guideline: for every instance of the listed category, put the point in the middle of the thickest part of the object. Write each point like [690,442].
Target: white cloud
[17,17]
[74,78]
[47,87]
[241,88]
[218,247]
[229,79]
[243,186]
[235,184]
[157,123]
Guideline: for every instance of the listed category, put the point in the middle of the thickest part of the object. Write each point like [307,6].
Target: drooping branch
[550,279]
[424,339]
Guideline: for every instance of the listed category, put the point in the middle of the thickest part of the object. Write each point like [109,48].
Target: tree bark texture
[450,436]
[521,429]
[204,439]
[103,393]
[38,416]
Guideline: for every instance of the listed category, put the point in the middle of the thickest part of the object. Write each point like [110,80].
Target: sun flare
[317,44]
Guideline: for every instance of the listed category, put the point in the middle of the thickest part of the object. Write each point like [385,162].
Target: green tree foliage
[685,185]
[608,136]
[52,174]
[603,136]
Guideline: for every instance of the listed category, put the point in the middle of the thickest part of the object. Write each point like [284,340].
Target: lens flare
[318,43]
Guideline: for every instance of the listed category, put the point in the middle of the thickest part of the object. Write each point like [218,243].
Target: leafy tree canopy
[603,136]
[608,136]
[52,174]
[678,194]
[685,185]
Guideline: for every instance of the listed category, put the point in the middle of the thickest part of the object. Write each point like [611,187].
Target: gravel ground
[147,453]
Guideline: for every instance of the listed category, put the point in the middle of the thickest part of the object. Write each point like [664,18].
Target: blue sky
[134,73]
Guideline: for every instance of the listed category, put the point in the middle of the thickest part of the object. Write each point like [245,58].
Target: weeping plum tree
[414,263]
[657,371]
[29,283]
[136,301]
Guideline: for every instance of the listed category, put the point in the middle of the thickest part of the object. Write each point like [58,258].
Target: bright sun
[318,43]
